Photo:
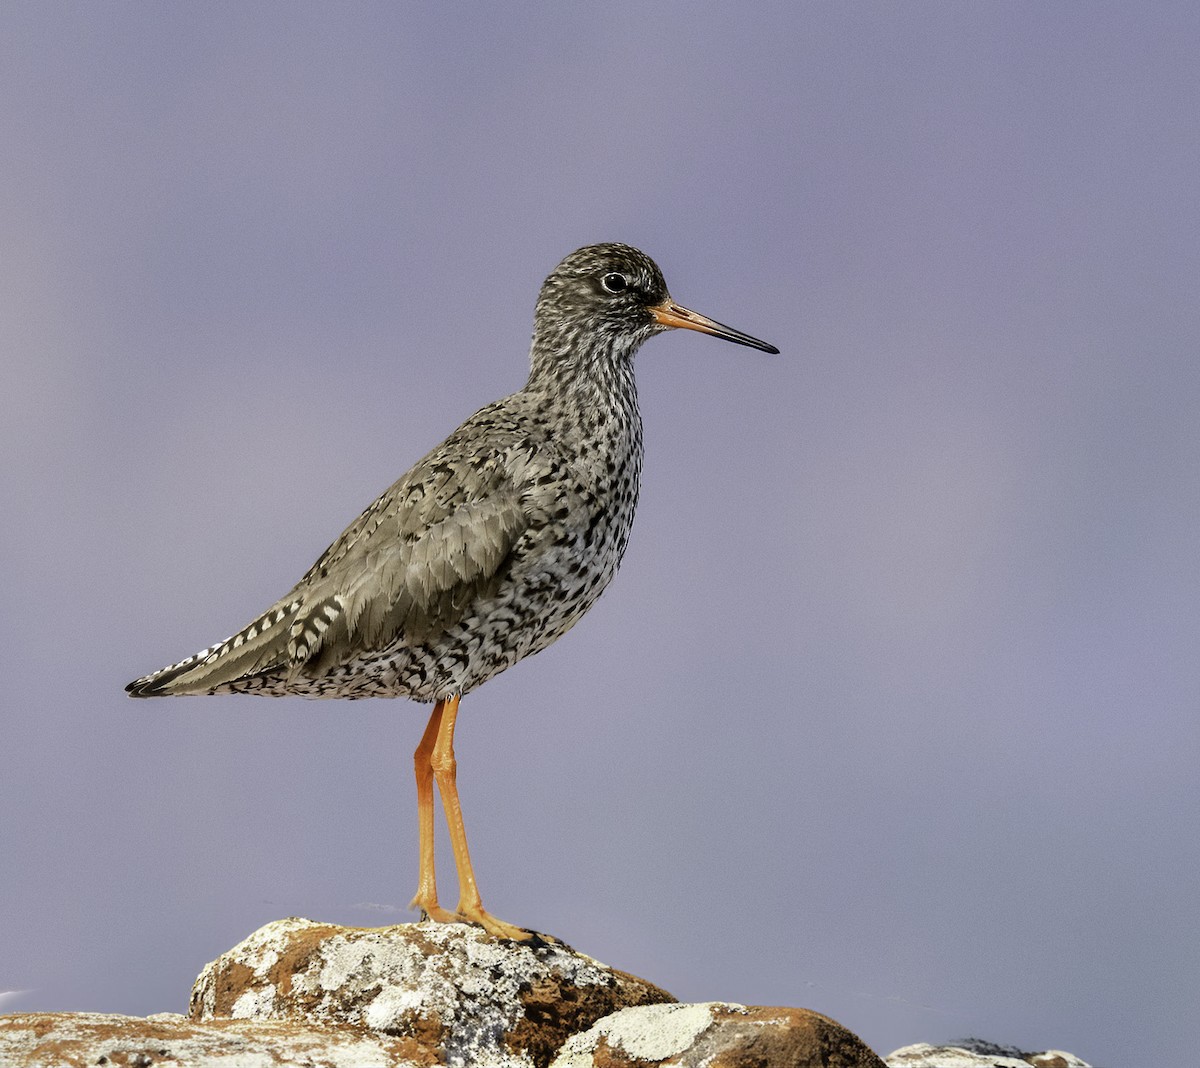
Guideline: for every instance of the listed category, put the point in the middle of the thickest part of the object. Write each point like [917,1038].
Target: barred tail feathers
[262,646]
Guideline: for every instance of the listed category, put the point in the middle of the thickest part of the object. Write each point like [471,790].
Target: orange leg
[427,898]
[434,760]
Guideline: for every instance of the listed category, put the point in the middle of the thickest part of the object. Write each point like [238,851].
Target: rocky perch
[974,1053]
[302,993]
[321,996]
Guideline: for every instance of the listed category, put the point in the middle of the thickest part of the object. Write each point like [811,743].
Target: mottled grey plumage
[496,542]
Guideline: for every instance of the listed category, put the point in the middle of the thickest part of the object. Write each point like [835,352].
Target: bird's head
[603,301]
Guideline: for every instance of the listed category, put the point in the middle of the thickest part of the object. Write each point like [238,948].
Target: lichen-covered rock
[297,993]
[464,997]
[1056,1058]
[715,1035]
[975,1054]
[79,1039]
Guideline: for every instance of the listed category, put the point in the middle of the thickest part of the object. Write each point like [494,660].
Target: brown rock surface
[716,1035]
[78,1039]
[461,995]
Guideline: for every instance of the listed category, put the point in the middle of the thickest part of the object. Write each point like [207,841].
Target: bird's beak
[670,314]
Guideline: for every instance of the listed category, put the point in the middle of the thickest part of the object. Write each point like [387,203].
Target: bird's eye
[615,283]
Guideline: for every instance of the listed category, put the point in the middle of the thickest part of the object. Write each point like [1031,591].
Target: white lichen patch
[923,1055]
[261,951]
[254,1004]
[342,964]
[647,1032]
[1052,1055]
[391,1005]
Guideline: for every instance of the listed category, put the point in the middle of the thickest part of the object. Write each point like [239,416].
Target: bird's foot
[467,913]
[431,910]
[495,927]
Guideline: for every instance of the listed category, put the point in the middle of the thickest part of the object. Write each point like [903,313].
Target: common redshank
[487,551]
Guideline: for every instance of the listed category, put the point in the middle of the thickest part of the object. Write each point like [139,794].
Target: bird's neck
[584,374]
[593,406]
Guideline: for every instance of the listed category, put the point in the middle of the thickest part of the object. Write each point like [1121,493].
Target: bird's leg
[470,906]
[427,899]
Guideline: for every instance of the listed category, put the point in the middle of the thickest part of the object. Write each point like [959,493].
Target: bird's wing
[411,565]
[409,568]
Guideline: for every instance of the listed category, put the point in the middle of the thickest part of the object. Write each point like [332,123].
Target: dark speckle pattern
[494,544]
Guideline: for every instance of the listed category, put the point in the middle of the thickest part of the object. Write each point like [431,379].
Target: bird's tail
[257,650]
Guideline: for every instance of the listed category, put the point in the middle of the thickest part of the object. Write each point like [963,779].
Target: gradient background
[891,712]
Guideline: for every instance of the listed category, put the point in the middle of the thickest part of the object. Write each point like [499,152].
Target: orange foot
[497,928]
[434,911]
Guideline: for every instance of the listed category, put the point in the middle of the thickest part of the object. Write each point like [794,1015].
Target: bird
[486,551]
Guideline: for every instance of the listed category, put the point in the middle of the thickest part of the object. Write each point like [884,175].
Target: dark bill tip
[676,316]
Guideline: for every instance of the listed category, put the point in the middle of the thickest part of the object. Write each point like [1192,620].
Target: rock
[715,1035]
[1056,1058]
[976,1054]
[76,1039]
[459,996]
[417,995]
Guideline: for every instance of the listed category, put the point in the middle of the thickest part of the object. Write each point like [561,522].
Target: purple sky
[891,712]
